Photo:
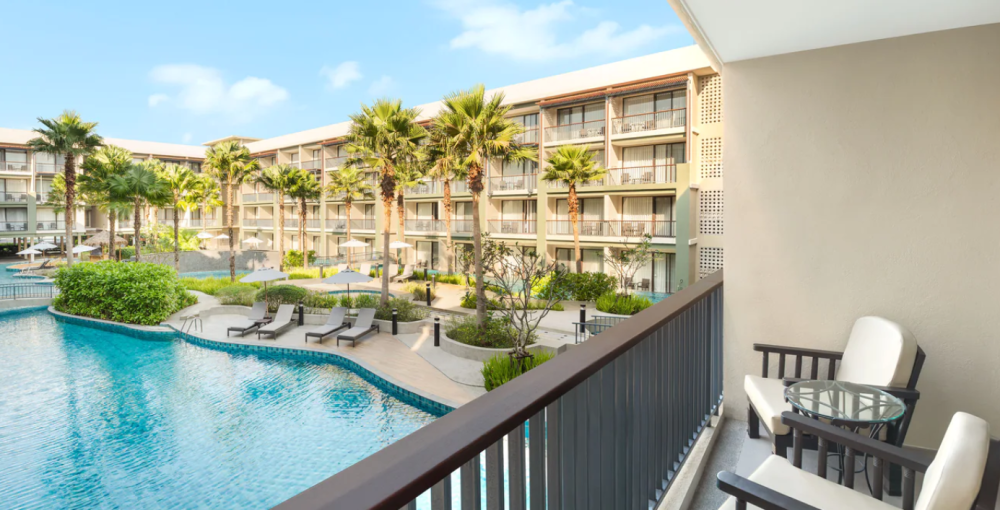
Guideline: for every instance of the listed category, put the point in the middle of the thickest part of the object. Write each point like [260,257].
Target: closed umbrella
[348,277]
[264,274]
[353,243]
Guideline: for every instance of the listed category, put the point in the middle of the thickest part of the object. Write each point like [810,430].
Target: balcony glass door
[427,254]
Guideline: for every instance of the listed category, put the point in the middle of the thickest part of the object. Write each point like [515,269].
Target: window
[579,114]
[463,210]
[427,254]
[295,157]
[593,260]
[15,156]
[651,155]
[519,168]
[369,211]
[512,210]
[315,154]
[529,121]
[591,209]
[427,211]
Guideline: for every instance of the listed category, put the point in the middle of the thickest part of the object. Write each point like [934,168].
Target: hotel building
[655,122]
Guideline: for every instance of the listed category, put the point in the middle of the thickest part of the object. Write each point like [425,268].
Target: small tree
[515,270]
[466,261]
[629,260]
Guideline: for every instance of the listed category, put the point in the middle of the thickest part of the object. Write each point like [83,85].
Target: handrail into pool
[610,422]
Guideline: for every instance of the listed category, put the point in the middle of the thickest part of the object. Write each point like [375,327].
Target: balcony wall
[896,233]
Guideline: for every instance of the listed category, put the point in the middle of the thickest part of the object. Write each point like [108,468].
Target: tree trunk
[229,229]
[112,219]
[177,242]
[387,196]
[302,233]
[347,207]
[449,256]
[476,187]
[574,216]
[70,175]
[137,225]
[204,221]
[281,229]
[400,209]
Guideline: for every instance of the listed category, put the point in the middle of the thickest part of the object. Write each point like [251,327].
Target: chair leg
[753,423]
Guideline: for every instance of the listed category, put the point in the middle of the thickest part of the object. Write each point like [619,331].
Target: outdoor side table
[847,405]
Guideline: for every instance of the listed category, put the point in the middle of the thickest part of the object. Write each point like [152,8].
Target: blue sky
[189,72]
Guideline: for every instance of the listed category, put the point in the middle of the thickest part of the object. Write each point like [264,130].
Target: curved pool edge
[404,392]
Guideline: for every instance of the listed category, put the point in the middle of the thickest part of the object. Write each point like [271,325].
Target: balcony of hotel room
[14,162]
[191,164]
[254,193]
[313,221]
[613,219]
[14,190]
[312,160]
[581,123]
[650,116]
[255,216]
[361,218]
[511,179]
[512,218]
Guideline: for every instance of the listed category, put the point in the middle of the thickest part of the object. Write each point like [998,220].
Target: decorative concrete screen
[710,212]
[709,261]
[711,157]
[710,98]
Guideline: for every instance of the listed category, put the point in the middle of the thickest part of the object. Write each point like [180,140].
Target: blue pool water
[212,274]
[91,419]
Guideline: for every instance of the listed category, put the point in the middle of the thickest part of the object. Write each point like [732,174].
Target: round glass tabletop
[844,402]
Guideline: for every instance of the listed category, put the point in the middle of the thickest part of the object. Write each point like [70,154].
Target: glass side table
[847,405]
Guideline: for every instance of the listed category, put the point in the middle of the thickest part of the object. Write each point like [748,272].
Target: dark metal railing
[25,291]
[50,225]
[609,423]
[595,325]
[13,196]
[13,226]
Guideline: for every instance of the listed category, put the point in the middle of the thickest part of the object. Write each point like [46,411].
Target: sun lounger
[407,273]
[252,322]
[282,321]
[362,326]
[341,268]
[365,269]
[334,322]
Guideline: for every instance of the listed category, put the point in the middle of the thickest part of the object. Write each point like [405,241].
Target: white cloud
[204,91]
[156,99]
[186,138]
[381,86]
[498,27]
[342,75]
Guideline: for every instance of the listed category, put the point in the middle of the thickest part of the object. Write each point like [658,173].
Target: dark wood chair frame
[829,436]
[895,433]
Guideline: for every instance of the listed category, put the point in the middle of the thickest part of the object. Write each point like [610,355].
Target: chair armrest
[904,394]
[797,351]
[858,442]
[756,494]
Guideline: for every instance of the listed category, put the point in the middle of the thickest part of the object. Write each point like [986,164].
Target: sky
[189,72]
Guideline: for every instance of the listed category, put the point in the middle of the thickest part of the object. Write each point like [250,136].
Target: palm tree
[99,167]
[230,163]
[484,133]
[142,186]
[205,193]
[304,187]
[408,174]
[351,184]
[382,136]
[180,181]
[70,137]
[573,165]
[446,164]
[279,179]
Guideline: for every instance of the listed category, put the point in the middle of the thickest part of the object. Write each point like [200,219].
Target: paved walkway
[386,354]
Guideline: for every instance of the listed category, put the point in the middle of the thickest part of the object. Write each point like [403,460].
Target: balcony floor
[735,452]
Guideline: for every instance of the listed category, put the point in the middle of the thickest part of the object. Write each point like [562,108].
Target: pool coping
[420,399]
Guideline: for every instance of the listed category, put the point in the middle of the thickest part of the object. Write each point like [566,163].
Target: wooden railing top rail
[397,474]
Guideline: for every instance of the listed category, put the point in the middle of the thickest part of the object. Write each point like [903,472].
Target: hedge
[128,292]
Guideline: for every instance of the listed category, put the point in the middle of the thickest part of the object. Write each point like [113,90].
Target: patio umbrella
[44,246]
[31,252]
[222,236]
[204,235]
[399,245]
[82,248]
[353,243]
[348,277]
[264,274]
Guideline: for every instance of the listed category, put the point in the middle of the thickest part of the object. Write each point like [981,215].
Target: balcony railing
[616,228]
[42,197]
[518,182]
[313,223]
[13,196]
[576,131]
[48,168]
[50,225]
[258,197]
[512,226]
[528,136]
[335,163]
[461,226]
[295,164]
[13,226]
[364,224]
[588,184]
[312,164]
[426,188]
[198,222]
[609,423]
[424,225]
[258,222]
[15,167]
[666,119]
[656,174]
[461,186]
[292,223]
[337,225]
[587,227]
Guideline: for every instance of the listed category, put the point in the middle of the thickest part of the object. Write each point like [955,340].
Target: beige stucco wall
[865,179]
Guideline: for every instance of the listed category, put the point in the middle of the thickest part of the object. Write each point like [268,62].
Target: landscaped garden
[132,293]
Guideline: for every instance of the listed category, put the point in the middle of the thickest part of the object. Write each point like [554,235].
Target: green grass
[212,285]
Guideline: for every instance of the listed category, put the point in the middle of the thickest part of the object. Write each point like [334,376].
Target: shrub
[576,286]
[407,311]
[454,279]
[495,333]
[622,305]
[212,285]
[501,368]
[469,301]
[366,300]
[346,301]
[294,258]
[240,294]
[319,299]
[281,295]
[419,291]
[133,293]
[307,274]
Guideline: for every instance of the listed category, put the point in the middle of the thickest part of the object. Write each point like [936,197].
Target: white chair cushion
[879,352]
[954,477]
[768,398]
[778,474]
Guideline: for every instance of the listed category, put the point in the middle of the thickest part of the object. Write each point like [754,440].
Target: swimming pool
[92,419]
